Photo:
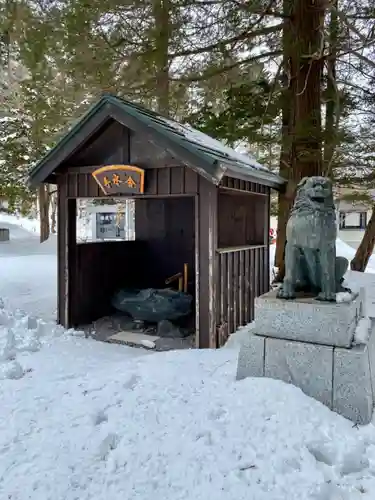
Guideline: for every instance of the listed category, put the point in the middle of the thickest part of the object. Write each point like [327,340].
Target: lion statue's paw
[326,297]
[286,292]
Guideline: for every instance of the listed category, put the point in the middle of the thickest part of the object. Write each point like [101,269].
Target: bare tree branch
[366,40]
[363,58]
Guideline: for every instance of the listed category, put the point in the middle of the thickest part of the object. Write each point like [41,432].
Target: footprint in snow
[132,382]
[355,461]
[99,417]
[216,413]
[323,452]
[331,492]
[352,462]
[109,443]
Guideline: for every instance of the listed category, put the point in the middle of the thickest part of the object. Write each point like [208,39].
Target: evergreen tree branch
[217,71]
[245,35]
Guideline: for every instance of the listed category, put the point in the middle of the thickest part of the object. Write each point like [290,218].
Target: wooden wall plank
[247,288]
[252,284]
[230,306]
[151,181]
[243,185]
[191,181]
[236,300]
[241,279]
[256,273]
[241,219]
[83,185]
[230,182]
[164,181]
[72,188]
[223,277]
[241,288]
[93,190]
[177,180]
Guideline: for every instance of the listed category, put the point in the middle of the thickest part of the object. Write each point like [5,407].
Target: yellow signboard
[120,179]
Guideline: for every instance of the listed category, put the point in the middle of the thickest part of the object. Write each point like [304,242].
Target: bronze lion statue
[311,265]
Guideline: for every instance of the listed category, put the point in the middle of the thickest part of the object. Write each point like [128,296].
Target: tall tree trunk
[307,74]
[303,50]
[287,117]
[285,197]
[43,198]
[161,11]
[332,105]
[366,247]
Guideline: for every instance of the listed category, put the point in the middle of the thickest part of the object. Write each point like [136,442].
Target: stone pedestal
[310,345]
[307,319]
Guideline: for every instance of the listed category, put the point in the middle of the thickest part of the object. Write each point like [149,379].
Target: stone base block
[251,358]
[353,394]
[306,365]
[308,320]
[342,379]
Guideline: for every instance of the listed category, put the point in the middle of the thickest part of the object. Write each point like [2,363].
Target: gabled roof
[207,156]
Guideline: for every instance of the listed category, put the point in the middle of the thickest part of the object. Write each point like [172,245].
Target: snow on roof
[194,135]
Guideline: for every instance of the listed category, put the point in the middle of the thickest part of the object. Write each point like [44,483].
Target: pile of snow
[344,297]
[29,224]
[89,420]
[345,250]
[19,333]
[28,270]
[86,420]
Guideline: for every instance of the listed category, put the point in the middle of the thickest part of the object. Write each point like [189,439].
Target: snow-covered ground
[87,420]
[28,269]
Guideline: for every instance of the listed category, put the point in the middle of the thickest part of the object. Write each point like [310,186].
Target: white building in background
[105,222]
[352,216]
[4,205]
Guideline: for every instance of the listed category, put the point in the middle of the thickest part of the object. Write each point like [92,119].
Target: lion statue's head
[314,194]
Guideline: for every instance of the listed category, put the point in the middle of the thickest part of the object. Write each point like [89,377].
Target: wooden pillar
[66,219]
[206,223]
[61,245]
